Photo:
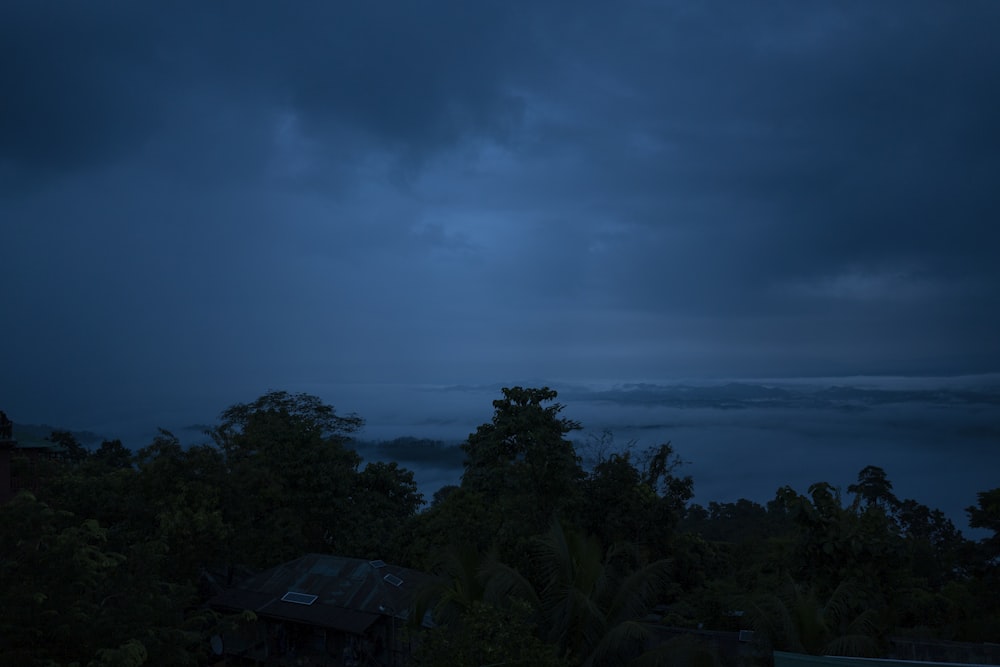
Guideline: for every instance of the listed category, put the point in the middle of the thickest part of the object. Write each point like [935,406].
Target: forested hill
[106,553]
[33,434]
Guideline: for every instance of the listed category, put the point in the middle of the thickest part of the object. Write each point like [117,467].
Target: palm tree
[590,603]
[795,619]
[477,623]
[460,586]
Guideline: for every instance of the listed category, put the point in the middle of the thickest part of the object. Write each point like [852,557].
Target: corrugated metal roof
[350,593]
[35,442]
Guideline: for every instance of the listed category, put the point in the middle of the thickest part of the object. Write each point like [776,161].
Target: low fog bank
[937,438]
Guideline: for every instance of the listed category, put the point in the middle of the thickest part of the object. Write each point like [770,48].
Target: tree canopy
[542,561]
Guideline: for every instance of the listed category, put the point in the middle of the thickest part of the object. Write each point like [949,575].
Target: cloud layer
[203,201]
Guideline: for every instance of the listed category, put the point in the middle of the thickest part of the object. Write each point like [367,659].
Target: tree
[873,488]
[181,495]
[525,441]
[623,502]
[460,584]
[293,484]
[113,454]
[837,543]
[53,572]
[737,522]
[658,472]
[799,619]
[442,494]
[461,517]
[585,602]
[385,496]
[933,545]
[930,541]
[591,601]
[477,622]
[69,599]
[70,448]
[245,426]
[985,583]
[522,456]
[616,505]
[289,477]
[487,635]
[986,515]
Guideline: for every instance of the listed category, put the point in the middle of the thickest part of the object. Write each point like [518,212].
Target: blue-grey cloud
[201,201]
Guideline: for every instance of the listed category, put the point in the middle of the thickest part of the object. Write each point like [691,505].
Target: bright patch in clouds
[869,285]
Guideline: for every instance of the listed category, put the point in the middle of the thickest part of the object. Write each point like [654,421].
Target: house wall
[272,643]
[6,481]
[28,468]
[783,659]
[935,650]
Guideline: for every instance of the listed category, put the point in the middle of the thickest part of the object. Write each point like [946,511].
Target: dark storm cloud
[454,192]
[85,83]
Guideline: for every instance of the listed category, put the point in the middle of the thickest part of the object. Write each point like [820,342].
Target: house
[960,657]
[21,460]
[7,445]
[321,610]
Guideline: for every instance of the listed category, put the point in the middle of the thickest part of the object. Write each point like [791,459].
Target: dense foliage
[108,560]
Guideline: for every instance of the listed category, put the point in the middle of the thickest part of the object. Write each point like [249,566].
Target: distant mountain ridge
[737,395]
[37,435]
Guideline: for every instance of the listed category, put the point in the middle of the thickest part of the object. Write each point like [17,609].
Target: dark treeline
[412,450]
[542,562]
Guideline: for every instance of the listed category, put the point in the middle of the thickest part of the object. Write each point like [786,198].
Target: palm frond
[865,623]
[576,621]
[770,619]
[459,585]
[842,603]
[860,646]
[502,582]
[680,651]
[637,592]
[621,640]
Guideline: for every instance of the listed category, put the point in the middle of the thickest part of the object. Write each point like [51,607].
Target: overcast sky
[201,201]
